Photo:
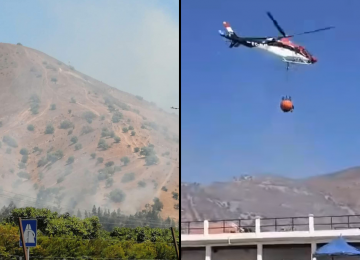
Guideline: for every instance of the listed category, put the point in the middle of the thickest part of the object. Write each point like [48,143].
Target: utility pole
[175,244]
[26,252]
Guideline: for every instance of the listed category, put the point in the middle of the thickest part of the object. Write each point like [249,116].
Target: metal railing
[272,224]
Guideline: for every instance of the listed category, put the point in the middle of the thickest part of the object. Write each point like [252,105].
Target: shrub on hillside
[24,151]
[117,116]
[78,147]
[49,129]
[89,116]
[93,155]
[117,139]
[142,184]
[128,177]
[151,160]
[125,160]
[109,164]
[136,149]
[74,139]
[125,129]
[10,141]
[117,195]
[52,107]
[133,133]
[72,100]
[131,127]
[24,175]
[102,144]
[24,158]
[109,182]
[66,124]
[100,160]
[70,160]
[86,130]
[30,128]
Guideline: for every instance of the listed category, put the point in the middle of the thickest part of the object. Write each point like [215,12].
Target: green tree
[133,133]
[136,149]
[117,139]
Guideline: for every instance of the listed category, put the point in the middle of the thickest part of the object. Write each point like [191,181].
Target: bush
[8,150]
[136,149]
[24,175]
[93,155]
[86,130]
[73,100]
[117,195]
[70,160]
[74,139]
[24,151]
[102,144]
[49,129]
[151,160]
[100,160]
[66,124]
[53,79]
[125,129]
[30,128]
[133,133]
[70,132]
[22,165]
[10,141]
[102,117]
[117,116]
[142,184]
[131,127]
[128,177]
[147,151]
[105,132]
[125,160]
[89,116]
[42,162]
[19,44]
[139,97]
[24,158]
[175,195]
[37,150]
[52,107]
[61,179]
[109,164]
[164,188]
[117,168]
[35,98]
[109,182]
[34,108]
[117,139]
[78,147]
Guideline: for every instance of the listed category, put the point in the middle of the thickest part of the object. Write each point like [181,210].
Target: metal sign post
[28,235]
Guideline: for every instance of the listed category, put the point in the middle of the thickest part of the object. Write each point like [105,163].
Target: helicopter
[289,52]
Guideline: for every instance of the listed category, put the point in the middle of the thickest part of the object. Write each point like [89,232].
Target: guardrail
[309,223]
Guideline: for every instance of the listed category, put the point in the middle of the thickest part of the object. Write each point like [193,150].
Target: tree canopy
[101,234]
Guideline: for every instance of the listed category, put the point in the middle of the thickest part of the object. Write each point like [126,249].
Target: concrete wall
[234,253]
[193,253]
[286,252]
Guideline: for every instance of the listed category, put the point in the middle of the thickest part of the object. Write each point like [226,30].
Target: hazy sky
[231,122]
[131,45]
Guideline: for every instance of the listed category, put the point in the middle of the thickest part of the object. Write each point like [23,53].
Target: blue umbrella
[337,247]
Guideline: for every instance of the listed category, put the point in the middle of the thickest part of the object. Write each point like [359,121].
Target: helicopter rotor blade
[276,24]
[314,31]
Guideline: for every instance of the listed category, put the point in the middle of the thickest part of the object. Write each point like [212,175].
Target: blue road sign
[30,232]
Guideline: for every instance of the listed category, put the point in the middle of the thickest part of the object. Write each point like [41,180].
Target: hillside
[57,124]
[272,196]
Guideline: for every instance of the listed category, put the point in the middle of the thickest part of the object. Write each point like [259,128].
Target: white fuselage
[286,54]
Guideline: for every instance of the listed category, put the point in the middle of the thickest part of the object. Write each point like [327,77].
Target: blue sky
[101,39]
[231,123]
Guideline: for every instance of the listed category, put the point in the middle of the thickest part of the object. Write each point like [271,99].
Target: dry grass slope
[40,95]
